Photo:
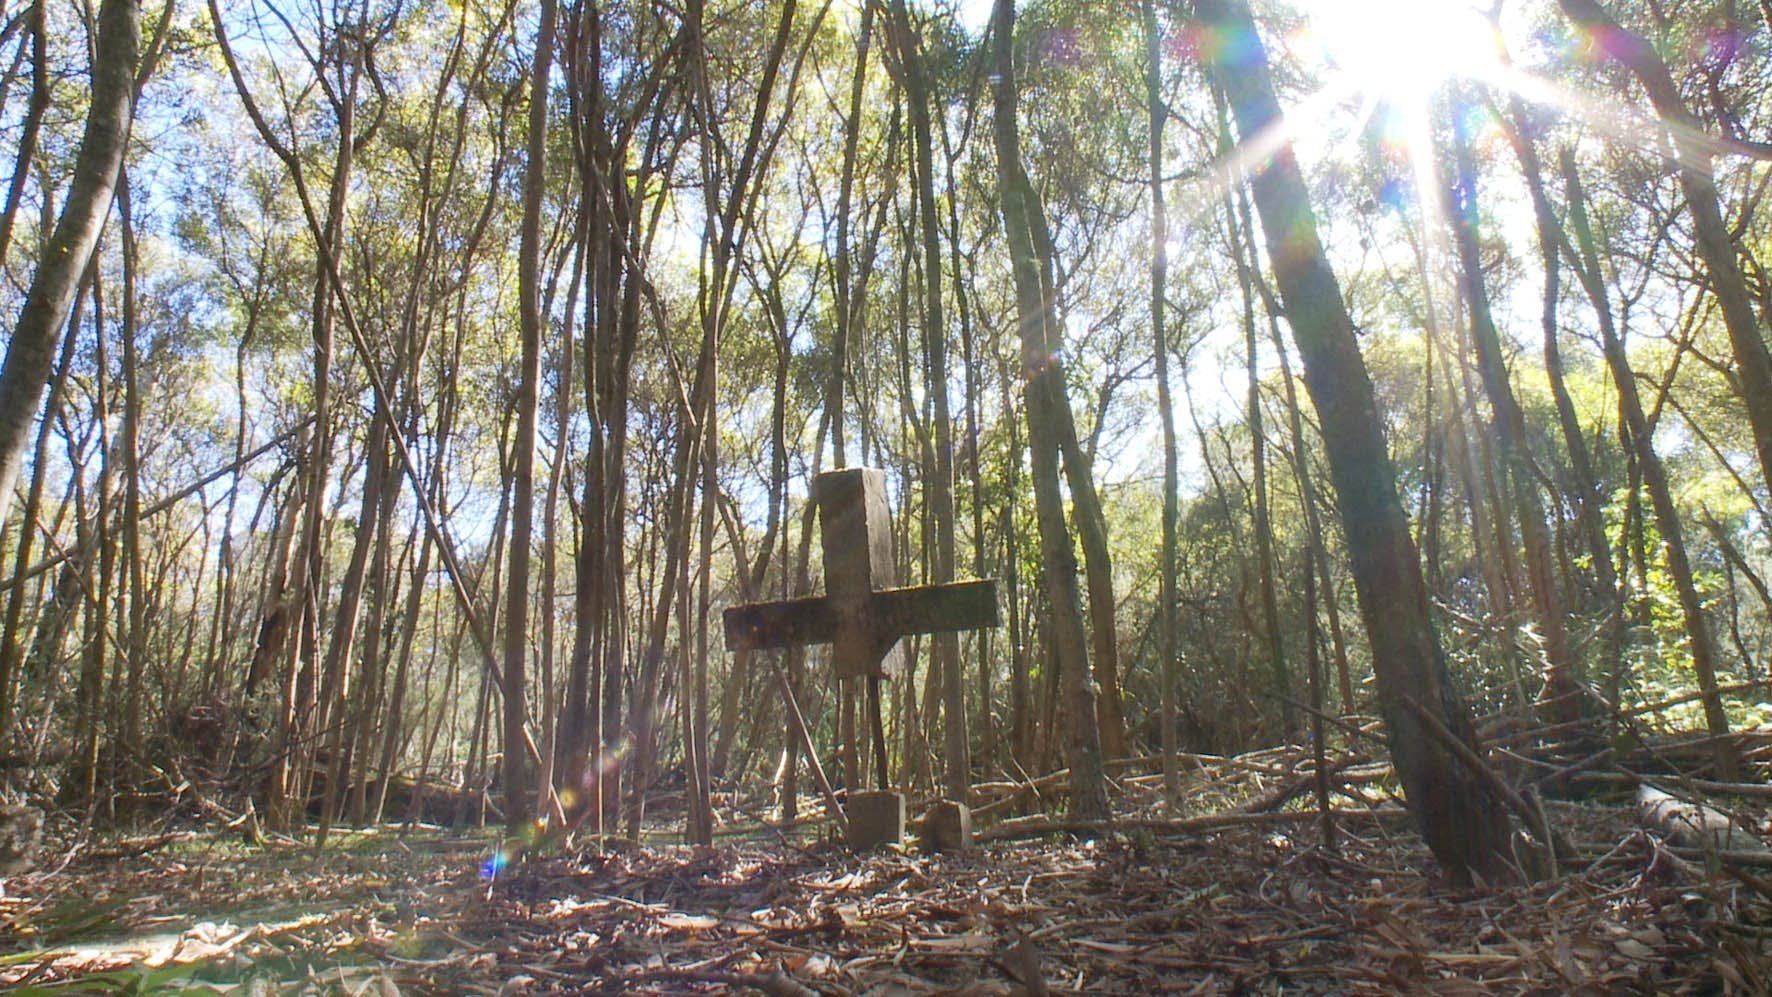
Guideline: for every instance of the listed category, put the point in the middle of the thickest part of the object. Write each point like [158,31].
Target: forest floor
[1228,904]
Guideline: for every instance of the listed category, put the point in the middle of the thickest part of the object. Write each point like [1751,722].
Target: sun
[1400,49]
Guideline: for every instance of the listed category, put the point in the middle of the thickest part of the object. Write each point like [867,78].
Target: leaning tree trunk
[1561,696]
[1086,513]
[1667,518]
[36,336]
[1264,533]
[1043,380]
[1301,471]
[1753,360]
[1589,504]
[1461,816]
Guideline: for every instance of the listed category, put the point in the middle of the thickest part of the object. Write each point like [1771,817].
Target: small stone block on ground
[947,828]
[875,818]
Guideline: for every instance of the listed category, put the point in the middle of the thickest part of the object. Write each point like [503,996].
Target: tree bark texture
[1753,360]
[1461,816]
[36,336]
[1654,475]
[1043,387]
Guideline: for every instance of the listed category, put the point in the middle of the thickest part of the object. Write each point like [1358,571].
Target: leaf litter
[1246,903]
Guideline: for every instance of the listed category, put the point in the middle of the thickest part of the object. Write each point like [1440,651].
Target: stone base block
[875,818]
[947,828]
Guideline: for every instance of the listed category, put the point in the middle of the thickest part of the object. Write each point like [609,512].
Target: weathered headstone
[947,827]
[862,616]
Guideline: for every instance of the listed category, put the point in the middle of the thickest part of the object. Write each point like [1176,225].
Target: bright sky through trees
[1399,48]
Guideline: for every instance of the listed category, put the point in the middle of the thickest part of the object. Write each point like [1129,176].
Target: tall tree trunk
[1168,649]
[36,335]
[11,640]
[1021,699]
[380,642]
[1460,815]
[956,756]
[1589,504]
[1667,517]
[1561,696]
[1468,450]
[1264,533]
[336,690]
[848,305]
[1044,393]
[97,590]
[518,796]
[1692,147]
[1086,512]
[850,308]
[693,648]
[12,631]
[289,779]
[1308,497]
[135,644]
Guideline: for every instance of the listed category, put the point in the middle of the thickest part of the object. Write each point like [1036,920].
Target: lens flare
[494,865]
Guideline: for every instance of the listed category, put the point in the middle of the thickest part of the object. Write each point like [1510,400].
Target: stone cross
[861,615]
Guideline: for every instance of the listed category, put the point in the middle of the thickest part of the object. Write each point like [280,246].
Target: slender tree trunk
[1021,700]
[31,350]
[1561,695]
[396,712]
[336,690]
[1589,504]
[518,795]
[12,642]
[1468,450]
[945,661]
[848,304]
[699,829]
[1733,555]
[1753,360]
[1043,380]
[38,26]
[1667,518]
[135,645]
[1308,497]
[1274,641]
[97,590]
[271,645]
[295,749]
[1168,644]
[1461,817]
[1091,523]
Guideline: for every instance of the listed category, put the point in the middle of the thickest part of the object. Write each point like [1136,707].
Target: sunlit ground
[1250,904]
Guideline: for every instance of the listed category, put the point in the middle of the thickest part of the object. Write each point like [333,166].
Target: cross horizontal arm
[889,614]
[928,609]
[780,624]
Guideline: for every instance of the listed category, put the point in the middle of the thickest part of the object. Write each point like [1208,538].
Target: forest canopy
[398,392]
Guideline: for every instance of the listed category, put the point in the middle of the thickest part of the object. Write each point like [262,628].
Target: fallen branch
[130,848]
[1038,826]
[1296,785]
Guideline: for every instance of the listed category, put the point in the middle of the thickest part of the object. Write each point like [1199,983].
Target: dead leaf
[676,921]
